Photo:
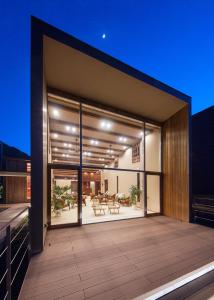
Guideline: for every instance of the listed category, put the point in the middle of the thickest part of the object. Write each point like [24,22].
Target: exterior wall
[176,166]
[203,150]
[15,189]
[38,143]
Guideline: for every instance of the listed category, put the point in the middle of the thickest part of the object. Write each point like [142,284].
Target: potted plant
[59,198]
[134,194]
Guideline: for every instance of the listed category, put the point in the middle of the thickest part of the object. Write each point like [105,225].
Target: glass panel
[153,194]
[111,140]
[153,148]
[64,196]
[111,195]
[63,131]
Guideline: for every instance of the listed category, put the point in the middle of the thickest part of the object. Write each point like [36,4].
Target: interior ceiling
[72,71]
[103,145]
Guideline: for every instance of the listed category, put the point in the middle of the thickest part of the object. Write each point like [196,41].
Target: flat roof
[74,67]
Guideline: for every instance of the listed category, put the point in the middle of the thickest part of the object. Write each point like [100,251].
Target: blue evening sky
[171,40]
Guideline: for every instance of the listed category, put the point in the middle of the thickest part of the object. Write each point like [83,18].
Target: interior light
[56,149]
[63,155]
[55,113]
[122,139]
[69,145]
[108,151]
[124,147]
[65,144]
[67,128]
[73,129]
[94,142]
[55,135]
[105,125]
[106,166]
[141,133]
[67,155]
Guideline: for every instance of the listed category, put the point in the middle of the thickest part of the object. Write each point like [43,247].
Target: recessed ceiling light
[108,151]
[63,155]
[124,147]
[73,129]
[55,135]
[94,142]
[55,113]
[65,144]
[105,125]
[67,128]
[122,139]
[67,155]
[141,133]
[69,145]
[55,149]
[106,166]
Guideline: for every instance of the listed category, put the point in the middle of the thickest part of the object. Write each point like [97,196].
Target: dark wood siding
[176,166]
[16,189]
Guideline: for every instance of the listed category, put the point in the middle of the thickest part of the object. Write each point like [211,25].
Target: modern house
[202,166]
[14,175]
[108,141]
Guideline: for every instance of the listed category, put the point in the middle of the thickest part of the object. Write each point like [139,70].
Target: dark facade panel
[203,152]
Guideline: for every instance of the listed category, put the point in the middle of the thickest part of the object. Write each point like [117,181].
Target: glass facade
[112,154]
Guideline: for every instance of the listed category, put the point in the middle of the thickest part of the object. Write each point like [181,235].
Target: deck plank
[116,260]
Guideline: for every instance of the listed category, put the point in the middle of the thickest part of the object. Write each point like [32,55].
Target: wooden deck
[116,260]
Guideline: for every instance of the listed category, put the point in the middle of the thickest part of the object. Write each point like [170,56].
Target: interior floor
[70,215]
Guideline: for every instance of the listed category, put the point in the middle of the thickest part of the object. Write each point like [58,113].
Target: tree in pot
[134,194]
[60,193]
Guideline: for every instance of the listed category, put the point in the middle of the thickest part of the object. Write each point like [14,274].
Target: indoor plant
[60,194]
[134,194]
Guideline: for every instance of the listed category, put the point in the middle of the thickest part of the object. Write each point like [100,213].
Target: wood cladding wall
[16,189]
[176,166]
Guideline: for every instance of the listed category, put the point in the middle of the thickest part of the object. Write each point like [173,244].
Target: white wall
[153,193]
[153,151]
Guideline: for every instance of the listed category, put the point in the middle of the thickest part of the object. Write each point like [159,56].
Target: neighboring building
[108,142]
[203,166]
[14,175]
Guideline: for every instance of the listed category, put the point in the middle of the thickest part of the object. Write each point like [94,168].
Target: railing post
[29,237]
[8,262]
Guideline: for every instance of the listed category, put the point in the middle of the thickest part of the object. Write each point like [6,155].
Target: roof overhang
[73,67]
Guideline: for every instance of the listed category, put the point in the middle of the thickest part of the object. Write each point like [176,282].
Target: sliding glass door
[64,196]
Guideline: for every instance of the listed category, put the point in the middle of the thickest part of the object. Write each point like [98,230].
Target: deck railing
[14,254]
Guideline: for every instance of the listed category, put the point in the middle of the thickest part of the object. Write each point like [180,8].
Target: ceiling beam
[90,128]
[85,145]
[72,149]
[88,138]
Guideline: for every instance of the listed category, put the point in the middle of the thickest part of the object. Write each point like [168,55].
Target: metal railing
[14,254]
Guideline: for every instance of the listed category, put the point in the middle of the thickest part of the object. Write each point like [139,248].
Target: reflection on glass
[111,195]
[111,140]
[64,196]
[153,194]
[153,148]
[63,131]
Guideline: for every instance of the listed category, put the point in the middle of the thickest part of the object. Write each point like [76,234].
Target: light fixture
[101,159]
[63,155]
[55,113]
[94,142]
[141,133]
[69,145]
[65,144]
[124,147]
[55,149]
[73,129]
[87,153]
[122,139]
[67,128]
[67,155]
[55,135]
[105,125]
[106,166]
